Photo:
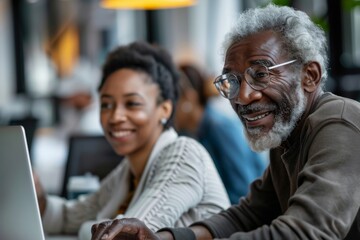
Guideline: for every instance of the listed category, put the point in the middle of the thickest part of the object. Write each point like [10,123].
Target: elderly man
[274,72]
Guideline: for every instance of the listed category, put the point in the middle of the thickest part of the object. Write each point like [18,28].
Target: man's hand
[119,229]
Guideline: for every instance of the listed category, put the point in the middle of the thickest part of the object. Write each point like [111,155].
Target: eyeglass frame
[218,78]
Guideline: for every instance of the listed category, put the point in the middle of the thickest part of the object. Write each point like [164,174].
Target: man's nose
[247,94]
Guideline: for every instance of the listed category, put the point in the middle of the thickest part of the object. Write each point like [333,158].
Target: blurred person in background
[210,119]
[165,180]
[76,100]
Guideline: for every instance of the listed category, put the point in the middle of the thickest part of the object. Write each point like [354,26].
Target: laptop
[20,216]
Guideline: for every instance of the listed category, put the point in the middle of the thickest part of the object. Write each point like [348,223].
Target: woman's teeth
[120,134]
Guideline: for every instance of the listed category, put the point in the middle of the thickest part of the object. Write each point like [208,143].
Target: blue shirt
[222,135]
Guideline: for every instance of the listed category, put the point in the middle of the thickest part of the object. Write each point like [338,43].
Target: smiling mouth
[120,134]
[257,117]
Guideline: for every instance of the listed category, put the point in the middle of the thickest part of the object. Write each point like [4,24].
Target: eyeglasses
[256,76]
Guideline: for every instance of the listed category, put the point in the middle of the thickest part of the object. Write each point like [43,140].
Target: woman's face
[129,113]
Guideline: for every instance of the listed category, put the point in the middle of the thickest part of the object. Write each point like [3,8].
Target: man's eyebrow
[261,61]
[225,70]
[265,62]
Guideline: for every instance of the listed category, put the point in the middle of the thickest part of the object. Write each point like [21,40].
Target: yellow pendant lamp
[146,4]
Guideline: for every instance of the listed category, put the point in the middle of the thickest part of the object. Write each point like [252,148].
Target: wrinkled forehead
[263,45]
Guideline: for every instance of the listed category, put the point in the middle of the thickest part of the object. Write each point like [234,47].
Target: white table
[67,237]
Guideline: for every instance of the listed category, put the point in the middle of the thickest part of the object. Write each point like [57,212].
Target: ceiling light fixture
[146,4]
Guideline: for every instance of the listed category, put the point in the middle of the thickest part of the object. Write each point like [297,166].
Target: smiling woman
[130,115]
[164,180]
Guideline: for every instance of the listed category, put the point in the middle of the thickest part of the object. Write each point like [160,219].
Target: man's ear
[311,76]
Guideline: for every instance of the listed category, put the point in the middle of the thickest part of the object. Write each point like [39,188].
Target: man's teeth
[121,133]
[257,117]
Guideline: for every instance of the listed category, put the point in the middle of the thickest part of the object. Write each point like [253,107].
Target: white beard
[281,130]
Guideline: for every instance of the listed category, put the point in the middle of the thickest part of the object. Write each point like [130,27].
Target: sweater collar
[166,138]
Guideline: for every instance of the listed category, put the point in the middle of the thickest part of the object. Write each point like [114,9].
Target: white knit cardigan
[179,185]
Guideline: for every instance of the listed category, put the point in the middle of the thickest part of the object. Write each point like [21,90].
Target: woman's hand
[118,229]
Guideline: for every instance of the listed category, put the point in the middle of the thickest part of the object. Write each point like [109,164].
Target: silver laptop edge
[20,217]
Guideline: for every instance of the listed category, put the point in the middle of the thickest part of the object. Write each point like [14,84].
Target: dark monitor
[30,125]
[89,154]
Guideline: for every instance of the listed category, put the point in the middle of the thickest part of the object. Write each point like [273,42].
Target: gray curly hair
[303,40]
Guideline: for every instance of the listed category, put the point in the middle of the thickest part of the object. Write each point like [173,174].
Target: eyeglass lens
[228,85]
[256,76]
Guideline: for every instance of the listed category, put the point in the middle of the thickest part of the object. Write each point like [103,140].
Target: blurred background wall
[44,43]
[51,53]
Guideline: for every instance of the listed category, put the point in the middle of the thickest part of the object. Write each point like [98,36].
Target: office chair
[89,154]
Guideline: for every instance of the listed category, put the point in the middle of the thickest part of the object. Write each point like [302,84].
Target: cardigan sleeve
[66,216]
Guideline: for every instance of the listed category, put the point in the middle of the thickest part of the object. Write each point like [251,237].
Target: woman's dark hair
[150,59]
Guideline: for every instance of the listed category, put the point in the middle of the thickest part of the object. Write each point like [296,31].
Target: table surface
[61,237]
